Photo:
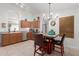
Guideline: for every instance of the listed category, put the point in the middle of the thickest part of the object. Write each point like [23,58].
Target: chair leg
[62,50]
[42,52]
[34,50]
[42,49]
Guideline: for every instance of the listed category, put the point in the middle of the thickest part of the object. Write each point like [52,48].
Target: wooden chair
[39,41]
[60,44]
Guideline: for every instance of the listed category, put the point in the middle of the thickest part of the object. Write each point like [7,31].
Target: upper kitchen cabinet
[25,24]
[36,24]
[30,24]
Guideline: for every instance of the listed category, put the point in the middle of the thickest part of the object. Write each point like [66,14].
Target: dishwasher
[24,35]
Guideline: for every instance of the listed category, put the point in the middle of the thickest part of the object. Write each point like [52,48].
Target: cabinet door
[5,39]
[25,24]
[36,24]
[22,24]
[16,37]
[33,24]
[29,35]
[12,38]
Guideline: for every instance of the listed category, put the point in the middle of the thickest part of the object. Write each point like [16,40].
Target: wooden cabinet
[29,35]
[25,24]
[30,24]
[11,38]
[15,37]
[5,39]
[36,24]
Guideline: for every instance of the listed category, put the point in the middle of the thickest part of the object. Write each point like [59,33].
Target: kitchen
[9,23]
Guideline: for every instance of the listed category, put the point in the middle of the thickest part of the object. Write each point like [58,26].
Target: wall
[12,12]
[69,42]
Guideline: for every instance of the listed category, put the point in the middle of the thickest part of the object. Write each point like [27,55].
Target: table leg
[49,47]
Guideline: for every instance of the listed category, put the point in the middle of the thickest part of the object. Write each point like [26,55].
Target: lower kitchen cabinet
[11,38]
[29,35]
[5,39]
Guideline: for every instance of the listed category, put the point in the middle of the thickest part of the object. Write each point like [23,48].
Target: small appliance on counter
[34,30]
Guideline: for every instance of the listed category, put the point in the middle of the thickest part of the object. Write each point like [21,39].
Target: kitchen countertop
[8,32]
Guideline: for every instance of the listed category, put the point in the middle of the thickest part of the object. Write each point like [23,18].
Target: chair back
[62,39]
[38,39]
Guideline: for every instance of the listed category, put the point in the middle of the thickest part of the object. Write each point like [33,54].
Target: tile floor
[26,49]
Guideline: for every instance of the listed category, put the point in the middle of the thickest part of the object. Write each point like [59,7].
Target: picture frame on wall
[3,25]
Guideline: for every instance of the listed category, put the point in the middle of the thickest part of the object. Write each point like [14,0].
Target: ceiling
[44,7]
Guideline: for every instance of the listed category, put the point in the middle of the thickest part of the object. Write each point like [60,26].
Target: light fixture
[49,17]
[20,4]
[52,14]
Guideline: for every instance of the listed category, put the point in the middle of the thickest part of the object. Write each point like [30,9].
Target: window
[14,26]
